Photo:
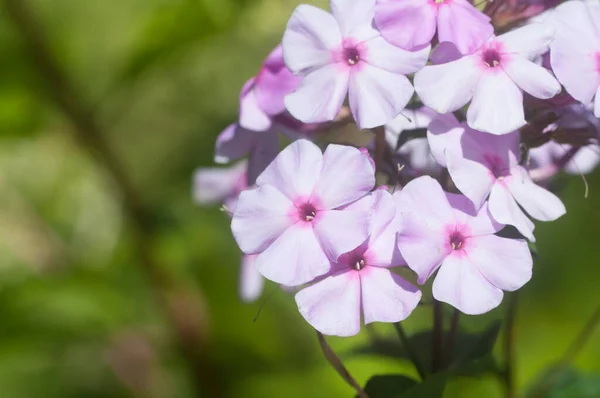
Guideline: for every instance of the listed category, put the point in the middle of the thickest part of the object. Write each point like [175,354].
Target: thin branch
[337,364]
[449,349]
[380,147]
[438,335]
[89,135]
[570,354]
[509,346]
[409,351]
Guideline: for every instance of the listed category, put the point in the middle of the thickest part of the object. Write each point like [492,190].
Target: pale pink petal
[473,179]
[347,175]
[497,105]
[384,212]
[251,282]
[406,23]
[573,51]
[294,258]
[382,248]
[354,18]
[460,284]
[274,82]
[265,149]
[585,160]
[423,248]
[424,196]
[340,231]
[444,132]
[505,210]
[213,185]
[295,170]
[448,87]
[597,103]
[505,263]
[528,41]
[332,305]
[386,297]
[382,54]
[233,143]
[538,202]
[479,221]
[309,39]
[444,52]
[531,78]
[320,95]
[377,96]
[464,25]
[261,215]
[252,117]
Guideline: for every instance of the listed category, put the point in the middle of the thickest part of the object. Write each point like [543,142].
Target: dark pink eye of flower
[496,165]
[307,212]
[456,240]
[351,55]
[359,264]
[491,57]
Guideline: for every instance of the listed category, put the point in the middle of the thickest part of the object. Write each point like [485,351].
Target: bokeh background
[108,291]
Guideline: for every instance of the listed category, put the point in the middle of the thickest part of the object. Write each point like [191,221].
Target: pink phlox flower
[413,155]
[220,185]
[443,231]
[251,282]
[342,53]
[295,220]
[483,165]
[492,79]
[412,23]
[575,52]
[360,283]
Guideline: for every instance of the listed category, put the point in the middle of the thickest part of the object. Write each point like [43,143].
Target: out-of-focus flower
[360,282]
[412,23]
[443,231]
[295,219]
[492,79]
[342,53]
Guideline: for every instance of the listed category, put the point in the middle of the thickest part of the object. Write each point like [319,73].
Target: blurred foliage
[79,318]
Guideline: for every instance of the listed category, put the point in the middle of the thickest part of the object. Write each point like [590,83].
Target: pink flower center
[351,55]
[491,57]
[456,240]
[307,212]
[496,165]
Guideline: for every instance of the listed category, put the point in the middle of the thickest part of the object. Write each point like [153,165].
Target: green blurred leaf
[388,386]
[476,346]
[432,387]
[568,383]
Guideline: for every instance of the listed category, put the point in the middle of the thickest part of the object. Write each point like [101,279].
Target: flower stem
[452,336]
[337,364]
[409,351]
[438,335]
[509,346]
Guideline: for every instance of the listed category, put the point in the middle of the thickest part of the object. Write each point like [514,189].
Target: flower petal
[213,185]
[295,170]
[347,175]
[332,305]
[261,215]
[505,263]
[472,178]
[464,25]
[423,248]
[294,258]
[252,117]
[505,210]
[448,87]
[424,196]
[377,96]
[406,24]
[309,39]
[251,282]
[528,41]
[233,143]
[265,150]
[497,105]
[538,202]
[320,95]
[340,231]
[531,78]
[381,54]
[354,18]
[443,134]
[479,221]
[461,285]
[386,297]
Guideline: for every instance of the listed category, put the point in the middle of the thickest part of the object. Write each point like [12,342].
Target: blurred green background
[83,315]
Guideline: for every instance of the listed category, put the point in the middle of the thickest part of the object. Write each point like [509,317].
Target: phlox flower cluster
[466,116]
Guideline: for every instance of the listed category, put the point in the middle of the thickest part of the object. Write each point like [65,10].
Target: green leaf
[432,387]
[388,386]
[568,383]
[477,347]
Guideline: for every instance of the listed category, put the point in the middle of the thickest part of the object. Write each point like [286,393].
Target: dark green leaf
[567,383]
[388,386]
[432,387]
